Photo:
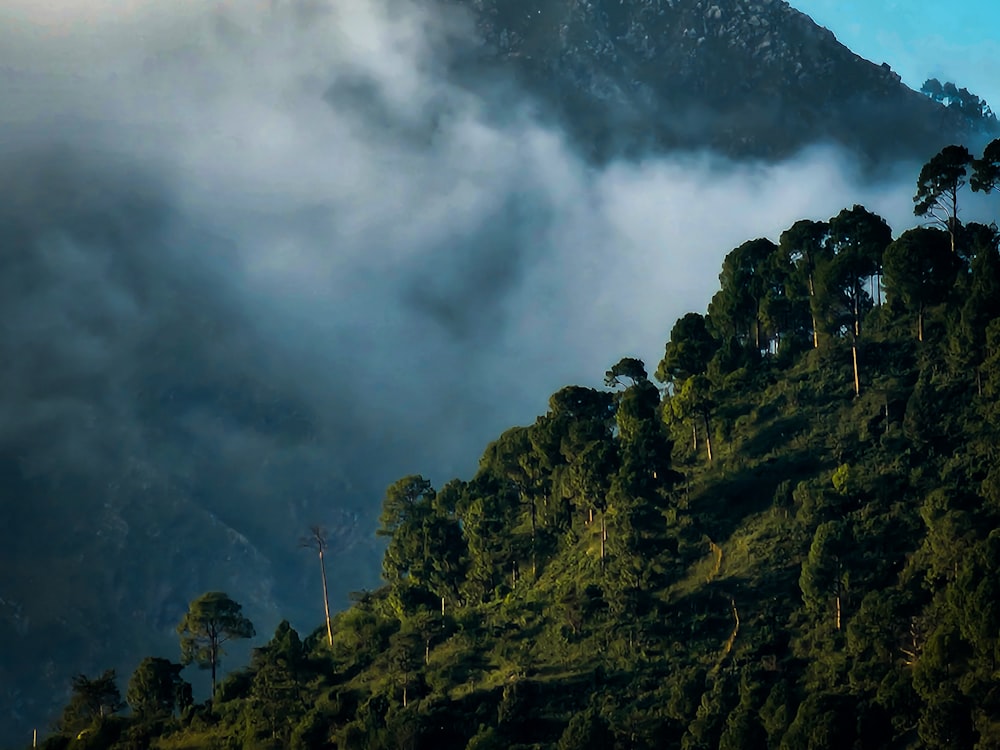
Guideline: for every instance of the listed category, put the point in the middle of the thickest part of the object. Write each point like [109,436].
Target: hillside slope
[795,544]
[742,77]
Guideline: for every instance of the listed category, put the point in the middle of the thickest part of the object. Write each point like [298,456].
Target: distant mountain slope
[757,79]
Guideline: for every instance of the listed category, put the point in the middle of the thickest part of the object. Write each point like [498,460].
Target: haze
[270,257]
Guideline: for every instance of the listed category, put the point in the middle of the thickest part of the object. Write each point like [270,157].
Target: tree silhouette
[938,185]
[211,620]
[91,699]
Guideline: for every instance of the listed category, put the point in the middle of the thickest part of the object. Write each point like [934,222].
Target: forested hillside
[260,259]
[793,544]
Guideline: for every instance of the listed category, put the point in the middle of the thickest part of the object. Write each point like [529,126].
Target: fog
[274,256]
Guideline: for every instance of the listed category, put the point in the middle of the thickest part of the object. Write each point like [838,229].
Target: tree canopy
[212,620]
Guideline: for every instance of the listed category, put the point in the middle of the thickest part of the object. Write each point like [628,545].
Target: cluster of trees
[793,543]
[975,110]
[156,691]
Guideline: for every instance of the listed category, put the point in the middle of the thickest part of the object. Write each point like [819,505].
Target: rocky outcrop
[750,78]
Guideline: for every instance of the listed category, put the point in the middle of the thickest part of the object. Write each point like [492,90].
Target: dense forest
[794,543]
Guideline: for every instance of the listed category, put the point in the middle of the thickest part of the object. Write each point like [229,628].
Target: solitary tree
[937,187]
[211,620]
[317,541]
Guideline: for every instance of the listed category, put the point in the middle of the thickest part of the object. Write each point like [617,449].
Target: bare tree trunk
[531,500]
[812,293]
[317,540]
[857,377]
[953,219]
[708,438]
[326,598]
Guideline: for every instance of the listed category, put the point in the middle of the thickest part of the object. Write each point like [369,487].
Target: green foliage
[91,700]
[587,730]
[736,311]
[157,689]
[920,270]
[689,350]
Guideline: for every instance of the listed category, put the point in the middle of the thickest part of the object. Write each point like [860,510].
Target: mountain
[794,544]
[157,440]
[747,78]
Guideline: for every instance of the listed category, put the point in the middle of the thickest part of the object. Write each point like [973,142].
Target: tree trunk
[857,377]
[214,651]
[708,438]
[953,219]
[533,529]
[812,293]
[326,598]
[920,323]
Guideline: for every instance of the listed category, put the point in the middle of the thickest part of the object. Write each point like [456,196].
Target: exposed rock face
[745,77]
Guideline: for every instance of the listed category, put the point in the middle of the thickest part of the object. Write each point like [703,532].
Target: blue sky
[957,41]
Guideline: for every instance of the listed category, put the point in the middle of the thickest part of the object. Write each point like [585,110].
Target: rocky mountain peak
[752,78]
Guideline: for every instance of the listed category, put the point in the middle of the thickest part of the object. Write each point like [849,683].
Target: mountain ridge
[747,79]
